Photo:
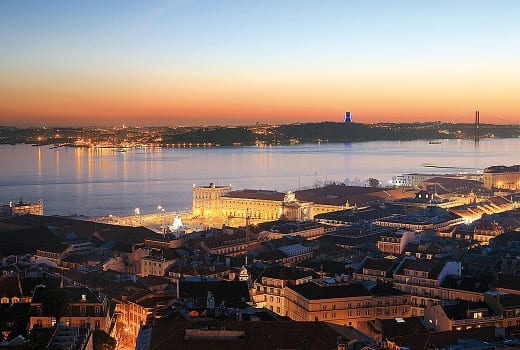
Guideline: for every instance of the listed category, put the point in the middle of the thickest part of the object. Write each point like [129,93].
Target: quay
[156,221]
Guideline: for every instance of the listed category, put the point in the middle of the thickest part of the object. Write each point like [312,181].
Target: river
[98,182]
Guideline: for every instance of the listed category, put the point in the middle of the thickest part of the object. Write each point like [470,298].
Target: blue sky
[319,56]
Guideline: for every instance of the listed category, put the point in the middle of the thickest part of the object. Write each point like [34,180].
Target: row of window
[82,310]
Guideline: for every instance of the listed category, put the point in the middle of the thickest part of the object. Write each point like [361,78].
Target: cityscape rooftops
[378,264]
[251,335]
[77,295]
[286,273]
[460,309]
[432,267]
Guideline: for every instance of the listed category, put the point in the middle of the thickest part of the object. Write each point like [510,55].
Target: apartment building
[344,303]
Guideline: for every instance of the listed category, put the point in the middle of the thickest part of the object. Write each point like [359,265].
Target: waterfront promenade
[156,221]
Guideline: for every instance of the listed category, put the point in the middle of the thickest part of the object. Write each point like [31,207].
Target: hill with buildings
[250,135]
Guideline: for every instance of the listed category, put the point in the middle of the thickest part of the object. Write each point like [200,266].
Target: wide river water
[98,182]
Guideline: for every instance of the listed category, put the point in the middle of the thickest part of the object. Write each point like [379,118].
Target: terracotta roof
[257,194]
[497,200]
[453,184]
[337,194]
[364,214]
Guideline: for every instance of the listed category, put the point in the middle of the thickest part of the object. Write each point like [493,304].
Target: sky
[182,62]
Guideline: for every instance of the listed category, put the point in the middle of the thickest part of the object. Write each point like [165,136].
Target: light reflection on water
[106,181]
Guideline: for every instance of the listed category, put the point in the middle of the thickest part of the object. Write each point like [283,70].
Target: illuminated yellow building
[263,205]
[207,200]
[344,303]
[502,177]
[21,208]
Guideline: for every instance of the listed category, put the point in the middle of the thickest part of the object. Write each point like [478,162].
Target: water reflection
[97,181]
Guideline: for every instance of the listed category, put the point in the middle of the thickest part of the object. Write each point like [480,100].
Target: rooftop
[257,194]
[315,291]
[250,335]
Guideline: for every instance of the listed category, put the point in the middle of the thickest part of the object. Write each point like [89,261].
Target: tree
[56,303]
[373,182]
[103,341]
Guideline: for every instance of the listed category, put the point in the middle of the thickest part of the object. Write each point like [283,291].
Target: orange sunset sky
[240,62]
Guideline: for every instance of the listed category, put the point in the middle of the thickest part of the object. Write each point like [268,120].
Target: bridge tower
[476,134]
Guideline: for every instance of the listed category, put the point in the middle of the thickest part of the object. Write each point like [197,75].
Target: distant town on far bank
[258,134]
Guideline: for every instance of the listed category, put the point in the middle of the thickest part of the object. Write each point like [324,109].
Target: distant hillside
[335,132]
[250,135]
[224,136]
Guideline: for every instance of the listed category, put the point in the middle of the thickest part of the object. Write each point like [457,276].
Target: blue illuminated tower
[348,117]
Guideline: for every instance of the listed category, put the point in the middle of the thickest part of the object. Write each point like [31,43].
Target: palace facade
[502,177]
[264,205]
[259,205]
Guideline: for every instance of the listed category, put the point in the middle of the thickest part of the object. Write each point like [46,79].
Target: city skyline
[201,62]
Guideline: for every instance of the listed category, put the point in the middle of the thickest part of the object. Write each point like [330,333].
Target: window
[97,310]
[83,310]
[96,324]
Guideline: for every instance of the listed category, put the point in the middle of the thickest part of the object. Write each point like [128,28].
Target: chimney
[341,343]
